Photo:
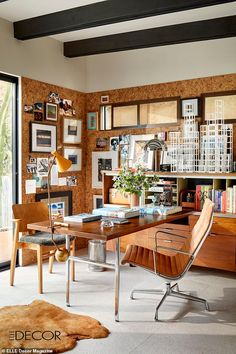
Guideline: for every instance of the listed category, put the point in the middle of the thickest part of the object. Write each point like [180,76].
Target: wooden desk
[92,230]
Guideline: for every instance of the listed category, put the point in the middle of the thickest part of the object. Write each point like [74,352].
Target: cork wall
[184,89]
[36,91]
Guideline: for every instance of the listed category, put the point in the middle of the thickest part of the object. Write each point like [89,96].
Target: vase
[134,200]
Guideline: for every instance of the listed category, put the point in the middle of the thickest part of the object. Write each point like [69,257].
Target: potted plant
[133,181]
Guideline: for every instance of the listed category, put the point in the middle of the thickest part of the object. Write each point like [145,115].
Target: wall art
[102,160]
[75,155]
[137,153]
[51,111]
[43,137]
[92,121]
[72,131]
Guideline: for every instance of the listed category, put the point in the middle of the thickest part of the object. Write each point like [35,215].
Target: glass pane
[125,116]
[158,112]
[105,117]
[6,195]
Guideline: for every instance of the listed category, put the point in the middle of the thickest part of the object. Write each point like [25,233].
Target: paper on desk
[62,181]
[30,186]
[54,175]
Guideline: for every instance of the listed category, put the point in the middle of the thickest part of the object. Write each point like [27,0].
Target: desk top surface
[92,230]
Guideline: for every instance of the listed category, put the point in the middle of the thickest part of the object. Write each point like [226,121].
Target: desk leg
[117,279]
[68,273]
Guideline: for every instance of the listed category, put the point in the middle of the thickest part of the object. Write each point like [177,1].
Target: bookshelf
[219,250]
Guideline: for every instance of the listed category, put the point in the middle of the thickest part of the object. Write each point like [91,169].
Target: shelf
[231,175]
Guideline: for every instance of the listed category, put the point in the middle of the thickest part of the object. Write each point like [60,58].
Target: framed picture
[101,142]
[42,166]
[105,117]
[124,115]
[51,111]
[38,116]
[137,154]
[75,155]
[43,137]
[104,99]
[65,107]
[221,105]
[62,201]
[92,123]
[97,201]
[165,111]
[114,143]
[190,105]
[71,131]
[102,160]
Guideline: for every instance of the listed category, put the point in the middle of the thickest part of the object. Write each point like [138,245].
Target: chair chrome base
[169,291]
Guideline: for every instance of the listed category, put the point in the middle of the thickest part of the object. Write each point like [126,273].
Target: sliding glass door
[8,163]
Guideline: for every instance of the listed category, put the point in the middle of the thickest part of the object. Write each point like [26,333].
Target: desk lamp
[63,164]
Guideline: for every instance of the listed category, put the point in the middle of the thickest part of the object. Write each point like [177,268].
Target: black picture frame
[59,195]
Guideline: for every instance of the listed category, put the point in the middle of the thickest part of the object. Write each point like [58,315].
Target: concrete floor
[185,327]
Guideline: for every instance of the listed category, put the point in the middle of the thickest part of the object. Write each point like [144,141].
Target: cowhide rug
[45,326]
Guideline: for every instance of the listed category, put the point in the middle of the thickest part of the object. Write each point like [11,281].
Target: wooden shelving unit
[219,250]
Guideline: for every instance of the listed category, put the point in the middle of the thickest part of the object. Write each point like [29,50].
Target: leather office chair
[172,262]
[40,242]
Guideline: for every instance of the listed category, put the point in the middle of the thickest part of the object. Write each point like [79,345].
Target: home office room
[117,176]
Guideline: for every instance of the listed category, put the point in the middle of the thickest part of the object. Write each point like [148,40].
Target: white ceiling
[14,10]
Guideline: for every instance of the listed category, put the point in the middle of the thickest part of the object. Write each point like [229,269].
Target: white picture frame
[190,102]
[97,201]
[102,160]
[75,155]
[72,130]
[137,155]
[43,137]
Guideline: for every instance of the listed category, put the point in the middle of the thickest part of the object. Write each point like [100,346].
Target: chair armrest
[181,234]
[175,250]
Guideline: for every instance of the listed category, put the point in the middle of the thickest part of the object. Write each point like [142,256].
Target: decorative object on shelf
[75,156]
[51,111]
[158,147]
[216,142]
[43,137]
[137,154]
[133,181]
[192,102]
[63,165]
[72,131]
[184,146]
[187,198]
[102,160]
[92,121]
[105,99]
[229,102]
[97,201]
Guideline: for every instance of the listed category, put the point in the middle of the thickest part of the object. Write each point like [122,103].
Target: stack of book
[224,200]
[84,217]
[117,212]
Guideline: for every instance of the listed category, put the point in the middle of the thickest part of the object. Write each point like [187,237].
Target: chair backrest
[202,227]
[30,213]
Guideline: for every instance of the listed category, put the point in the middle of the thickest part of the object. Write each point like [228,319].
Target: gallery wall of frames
[123,117]
[53,117]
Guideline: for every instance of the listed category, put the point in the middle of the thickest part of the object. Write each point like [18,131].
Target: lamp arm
[50,164]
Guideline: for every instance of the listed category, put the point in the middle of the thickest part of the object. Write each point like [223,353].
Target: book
[84,217]
[162,210]
[229,200]
[117,212]
[116,220]
[168,210]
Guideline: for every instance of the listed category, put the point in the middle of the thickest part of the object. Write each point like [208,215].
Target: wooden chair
[39,241]
[172,255]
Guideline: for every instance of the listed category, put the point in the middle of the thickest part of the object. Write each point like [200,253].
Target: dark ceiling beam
[3,0]
[182,33]
[102,13]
